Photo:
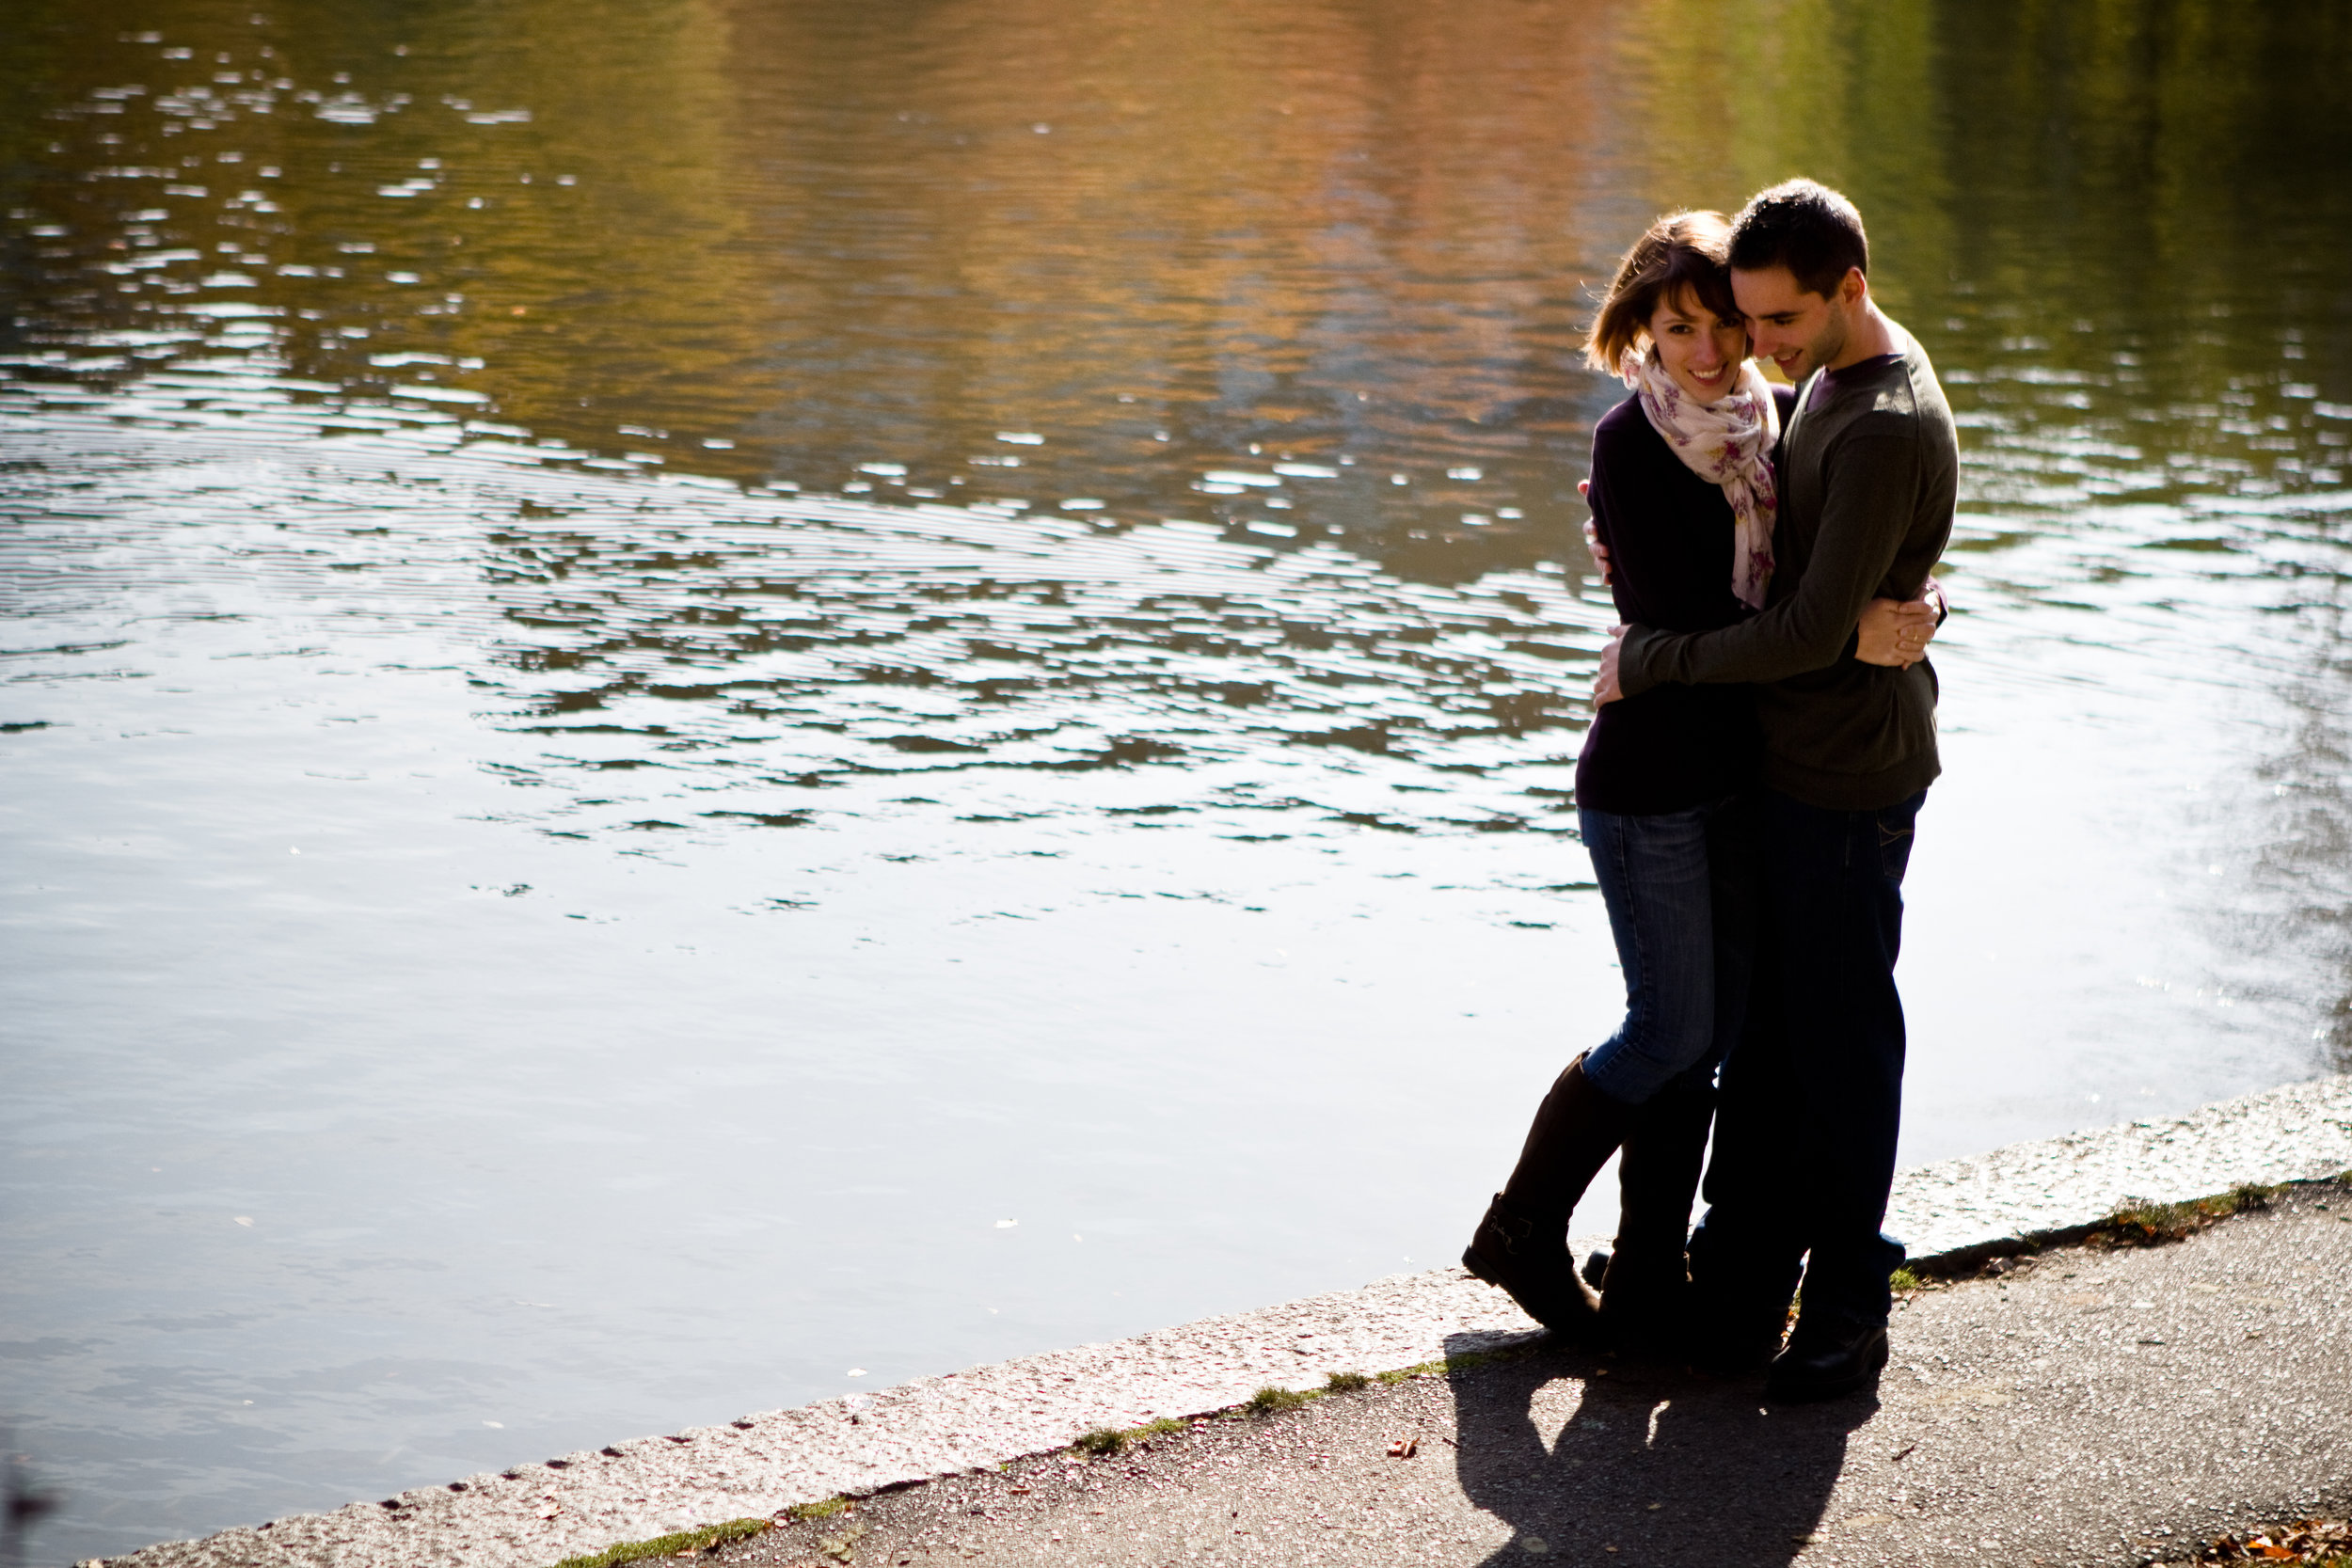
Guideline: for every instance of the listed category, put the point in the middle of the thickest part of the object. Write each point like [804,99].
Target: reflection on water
[857,249]
[662,660]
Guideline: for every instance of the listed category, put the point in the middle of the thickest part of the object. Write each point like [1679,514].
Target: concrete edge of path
[533,1516]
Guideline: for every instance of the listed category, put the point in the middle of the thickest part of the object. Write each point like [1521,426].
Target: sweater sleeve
[1875,475]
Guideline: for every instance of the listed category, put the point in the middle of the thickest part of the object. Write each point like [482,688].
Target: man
[1869,471]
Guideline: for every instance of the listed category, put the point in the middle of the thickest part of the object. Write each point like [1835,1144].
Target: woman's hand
[1599,551]
[1593,546]
[1897,632]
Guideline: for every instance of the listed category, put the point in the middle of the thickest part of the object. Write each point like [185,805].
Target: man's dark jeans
[1812,1094]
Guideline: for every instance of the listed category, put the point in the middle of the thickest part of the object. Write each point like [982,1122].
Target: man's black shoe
[1731,1344]
[1645,1298]
[1824,1363]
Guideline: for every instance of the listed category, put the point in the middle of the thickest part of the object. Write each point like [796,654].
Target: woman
[1683,502]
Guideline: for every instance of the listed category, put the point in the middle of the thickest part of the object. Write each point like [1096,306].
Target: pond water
[705,705]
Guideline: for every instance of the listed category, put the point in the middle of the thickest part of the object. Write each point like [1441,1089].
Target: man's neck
[1874,333]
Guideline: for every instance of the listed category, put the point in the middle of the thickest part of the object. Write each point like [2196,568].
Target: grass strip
[2138,1223]
[1272,1400]
[2133,1223]
[823,1508]
[1104,1442]
[671,1546]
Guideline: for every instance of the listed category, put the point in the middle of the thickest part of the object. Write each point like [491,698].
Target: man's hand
[1605,687]
[1895,632]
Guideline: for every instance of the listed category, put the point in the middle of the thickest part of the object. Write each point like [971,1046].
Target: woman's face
[1701,350]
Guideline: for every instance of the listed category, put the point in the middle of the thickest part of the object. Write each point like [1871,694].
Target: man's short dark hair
[1804,226]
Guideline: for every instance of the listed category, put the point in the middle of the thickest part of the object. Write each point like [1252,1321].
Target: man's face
[1795,328]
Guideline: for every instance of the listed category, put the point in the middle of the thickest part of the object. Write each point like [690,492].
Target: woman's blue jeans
[1680,891]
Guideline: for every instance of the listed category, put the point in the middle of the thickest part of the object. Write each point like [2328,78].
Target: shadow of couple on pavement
[1603,1461]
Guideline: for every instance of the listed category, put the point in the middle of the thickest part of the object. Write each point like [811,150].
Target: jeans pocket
[1895,838]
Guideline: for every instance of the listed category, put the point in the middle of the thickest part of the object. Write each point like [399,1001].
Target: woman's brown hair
[1681,250]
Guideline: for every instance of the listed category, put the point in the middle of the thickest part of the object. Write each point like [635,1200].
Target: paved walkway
[2085,1407]
[535,1513]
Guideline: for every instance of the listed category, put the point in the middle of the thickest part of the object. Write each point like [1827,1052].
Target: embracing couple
[1763,739]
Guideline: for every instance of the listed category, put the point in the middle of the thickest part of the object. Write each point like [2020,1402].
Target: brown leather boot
[1645,1293]
[1521,1244]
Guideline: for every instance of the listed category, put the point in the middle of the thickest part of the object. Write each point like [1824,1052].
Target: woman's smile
[1717,379]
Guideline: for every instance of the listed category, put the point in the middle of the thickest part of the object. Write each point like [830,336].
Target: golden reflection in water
[1233,178]
[1158,235]
[1172,231]
[1733,97]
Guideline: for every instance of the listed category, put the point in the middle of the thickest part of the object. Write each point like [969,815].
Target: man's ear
[1853,288]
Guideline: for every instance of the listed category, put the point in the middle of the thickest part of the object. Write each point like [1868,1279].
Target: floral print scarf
[1729,441]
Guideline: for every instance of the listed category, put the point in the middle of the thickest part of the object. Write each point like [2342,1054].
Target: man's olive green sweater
[1869,470]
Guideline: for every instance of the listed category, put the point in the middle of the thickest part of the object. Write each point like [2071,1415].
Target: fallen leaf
[837,1546]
